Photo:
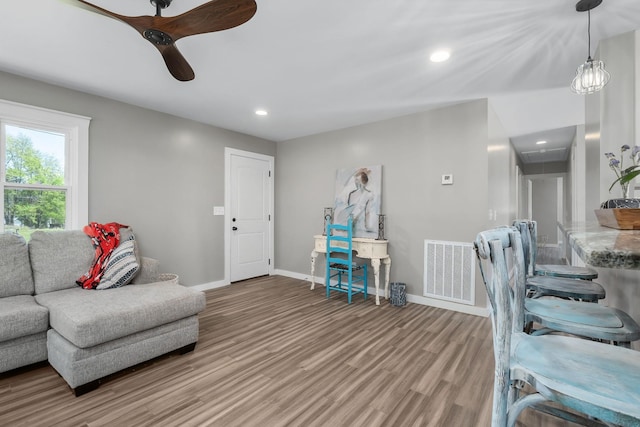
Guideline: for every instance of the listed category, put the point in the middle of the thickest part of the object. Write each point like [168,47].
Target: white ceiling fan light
[591,76]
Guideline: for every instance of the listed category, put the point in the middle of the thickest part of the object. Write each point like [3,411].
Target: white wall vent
[449,271]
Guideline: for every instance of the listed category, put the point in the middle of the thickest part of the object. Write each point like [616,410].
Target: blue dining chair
[351,276]
[582,381]
[580,288]
[583,319]
[554,270]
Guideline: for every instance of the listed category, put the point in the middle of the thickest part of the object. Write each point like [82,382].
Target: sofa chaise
[85,334]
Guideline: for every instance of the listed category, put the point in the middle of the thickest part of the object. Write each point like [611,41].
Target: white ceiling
[321,65]
[555,148]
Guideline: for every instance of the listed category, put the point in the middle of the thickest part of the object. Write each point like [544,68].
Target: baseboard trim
[416,299]
[210,285]
[448,305]
[299,276]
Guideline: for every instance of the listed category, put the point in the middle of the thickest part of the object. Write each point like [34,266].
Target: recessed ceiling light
[261,112]
[440,56]
[541,142]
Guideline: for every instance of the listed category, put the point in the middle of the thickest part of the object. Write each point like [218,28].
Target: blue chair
[578,318]
[351,277]
[558,284]
[553,270]
[579,380]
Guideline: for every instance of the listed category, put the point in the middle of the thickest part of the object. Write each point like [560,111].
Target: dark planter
[620,203]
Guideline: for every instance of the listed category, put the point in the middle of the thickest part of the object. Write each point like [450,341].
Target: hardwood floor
[273,353]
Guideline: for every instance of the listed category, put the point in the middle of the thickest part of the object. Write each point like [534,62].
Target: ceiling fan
[163,32]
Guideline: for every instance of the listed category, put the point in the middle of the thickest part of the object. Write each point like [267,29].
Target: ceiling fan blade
[216,15]
[177,65]
[96,9]
[162,32]
[139,23]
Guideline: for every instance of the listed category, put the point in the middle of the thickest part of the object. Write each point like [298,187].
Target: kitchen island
[605,247]
[615,254]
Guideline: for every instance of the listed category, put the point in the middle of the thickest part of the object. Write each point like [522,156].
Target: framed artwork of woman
[358,194]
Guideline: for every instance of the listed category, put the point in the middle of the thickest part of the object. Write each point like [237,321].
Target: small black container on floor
[398,297]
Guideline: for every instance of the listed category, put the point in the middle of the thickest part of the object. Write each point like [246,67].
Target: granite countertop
[600,246]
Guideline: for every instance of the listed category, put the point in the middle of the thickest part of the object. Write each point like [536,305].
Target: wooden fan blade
[139,23]
[162,32]
[177,65]
[96,9]
[216,15]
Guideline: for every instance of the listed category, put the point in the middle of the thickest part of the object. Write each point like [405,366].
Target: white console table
[375,250]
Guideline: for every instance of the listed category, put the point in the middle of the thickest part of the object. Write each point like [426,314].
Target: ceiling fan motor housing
[163,4]
[157,37]
[581,6]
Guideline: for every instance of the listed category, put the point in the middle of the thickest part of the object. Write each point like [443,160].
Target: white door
[249,217]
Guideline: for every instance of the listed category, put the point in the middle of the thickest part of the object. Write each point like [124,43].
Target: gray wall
[593,156]
[158,173]
[614,112]
[502,179]
[544,201]
[414,152]
[540,168]
[617,112]
[163,175]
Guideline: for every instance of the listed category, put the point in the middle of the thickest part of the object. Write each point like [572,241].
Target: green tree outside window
[26,207]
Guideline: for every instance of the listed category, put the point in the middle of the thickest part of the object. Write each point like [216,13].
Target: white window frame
[76,130]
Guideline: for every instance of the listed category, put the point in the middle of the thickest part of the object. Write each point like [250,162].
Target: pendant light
[590,76]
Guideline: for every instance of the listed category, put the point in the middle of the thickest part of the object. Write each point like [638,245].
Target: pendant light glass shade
[590,77]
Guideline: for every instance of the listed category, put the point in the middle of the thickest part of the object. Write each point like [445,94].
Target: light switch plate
[447,179]
[218,210]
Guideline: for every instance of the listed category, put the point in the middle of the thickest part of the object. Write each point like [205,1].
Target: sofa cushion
[149,271]
[20,316]
[22,351]
[59,258]
[121,267]
[15,269]
[87,317]
[126,233]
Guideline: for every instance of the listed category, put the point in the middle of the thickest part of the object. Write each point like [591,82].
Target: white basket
[167,277]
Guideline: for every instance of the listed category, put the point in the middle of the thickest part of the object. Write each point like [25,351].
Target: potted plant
[624,176]
[622,213]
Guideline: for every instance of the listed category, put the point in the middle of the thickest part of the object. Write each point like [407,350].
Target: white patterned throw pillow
[122,266]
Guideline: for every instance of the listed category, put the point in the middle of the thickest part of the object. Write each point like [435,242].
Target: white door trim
[228,152]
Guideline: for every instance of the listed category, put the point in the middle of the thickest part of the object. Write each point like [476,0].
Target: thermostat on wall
[447,179]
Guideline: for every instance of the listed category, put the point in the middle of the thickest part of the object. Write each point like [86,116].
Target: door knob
[234,228]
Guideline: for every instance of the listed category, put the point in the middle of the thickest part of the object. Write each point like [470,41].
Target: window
[43,169]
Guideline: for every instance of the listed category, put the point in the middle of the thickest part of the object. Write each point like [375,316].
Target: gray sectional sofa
[85,334]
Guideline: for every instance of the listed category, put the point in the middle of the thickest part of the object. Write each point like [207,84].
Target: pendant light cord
[590,76]
[589,33]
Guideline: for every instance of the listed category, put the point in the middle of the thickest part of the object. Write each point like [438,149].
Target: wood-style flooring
[273,353]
